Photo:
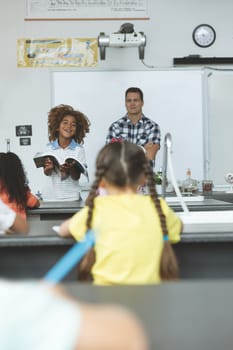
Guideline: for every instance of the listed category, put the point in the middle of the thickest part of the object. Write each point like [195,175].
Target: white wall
[172,98]
[25,94]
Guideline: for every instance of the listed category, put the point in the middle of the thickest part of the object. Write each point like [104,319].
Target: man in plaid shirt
[135,127]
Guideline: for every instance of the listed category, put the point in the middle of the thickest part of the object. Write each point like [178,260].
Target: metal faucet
[166,149]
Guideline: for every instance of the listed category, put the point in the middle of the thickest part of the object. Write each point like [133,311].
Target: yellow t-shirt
[129,238]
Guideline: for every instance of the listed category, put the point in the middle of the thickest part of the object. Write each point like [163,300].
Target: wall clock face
[204,35]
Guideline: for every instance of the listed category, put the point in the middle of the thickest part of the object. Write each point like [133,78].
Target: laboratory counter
[55,210]
[205,252]
[54,213]
[209,203]
[61,210]
[200,255]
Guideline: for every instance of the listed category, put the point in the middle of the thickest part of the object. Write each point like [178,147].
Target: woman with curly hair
[67,129]
[14,190]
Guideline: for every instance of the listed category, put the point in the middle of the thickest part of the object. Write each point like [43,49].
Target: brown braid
[169,269]
[87,262]
[92,195]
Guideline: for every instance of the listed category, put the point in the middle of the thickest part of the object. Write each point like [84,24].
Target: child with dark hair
[67,129]
[14,189]
[133,232]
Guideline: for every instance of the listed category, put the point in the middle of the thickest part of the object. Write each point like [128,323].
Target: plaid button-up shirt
[144,131]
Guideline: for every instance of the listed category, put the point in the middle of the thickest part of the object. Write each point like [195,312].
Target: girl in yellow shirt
[133,232]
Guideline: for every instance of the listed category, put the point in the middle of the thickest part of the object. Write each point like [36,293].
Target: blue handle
[70,259]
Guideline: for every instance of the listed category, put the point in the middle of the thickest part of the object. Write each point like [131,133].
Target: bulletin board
[173,98]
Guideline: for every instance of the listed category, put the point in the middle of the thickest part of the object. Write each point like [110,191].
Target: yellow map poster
[70,52]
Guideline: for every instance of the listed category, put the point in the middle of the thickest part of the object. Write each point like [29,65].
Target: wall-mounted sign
[70,52]
[23,130]
[86,9]
[25,141]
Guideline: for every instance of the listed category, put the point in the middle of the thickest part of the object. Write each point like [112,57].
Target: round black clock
[204,35]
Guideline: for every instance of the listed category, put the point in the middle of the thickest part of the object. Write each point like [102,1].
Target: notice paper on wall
[86,9]
[57,52]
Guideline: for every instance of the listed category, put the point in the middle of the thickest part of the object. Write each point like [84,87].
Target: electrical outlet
[125,40]
[122,40]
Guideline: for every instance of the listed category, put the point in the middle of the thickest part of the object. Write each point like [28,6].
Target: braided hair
[169,269]
[125,164]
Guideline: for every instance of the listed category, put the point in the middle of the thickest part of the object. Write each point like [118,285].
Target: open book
[39,160]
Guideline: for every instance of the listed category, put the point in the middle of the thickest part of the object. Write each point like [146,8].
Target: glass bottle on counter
[189,185]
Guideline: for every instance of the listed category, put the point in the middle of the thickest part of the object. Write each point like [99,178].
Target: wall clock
[204,35]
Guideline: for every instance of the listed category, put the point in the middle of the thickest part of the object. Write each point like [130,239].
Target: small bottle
[188,175]
[189,185]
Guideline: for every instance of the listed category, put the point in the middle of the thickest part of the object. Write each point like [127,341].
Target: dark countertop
[45,240]
[222,196]
[208,204]
[198,237]
[218,201]
[56,207]
[185,315]
[32,240]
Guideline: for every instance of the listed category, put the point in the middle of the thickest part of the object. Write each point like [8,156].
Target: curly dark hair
[55,117]
[13,178]
[123,164]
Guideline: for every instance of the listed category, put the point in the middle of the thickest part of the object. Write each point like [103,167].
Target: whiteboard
[172,98]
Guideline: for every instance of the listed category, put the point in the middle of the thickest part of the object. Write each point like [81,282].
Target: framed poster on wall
[86,9]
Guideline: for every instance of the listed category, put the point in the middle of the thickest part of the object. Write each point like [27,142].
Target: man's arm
[154,138]
[151,150]
[113,133]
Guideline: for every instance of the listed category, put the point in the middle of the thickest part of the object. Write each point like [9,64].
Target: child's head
[56,116]
[122,164]
[13,177]
[11,167]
